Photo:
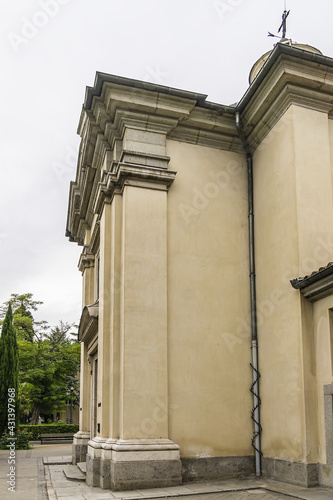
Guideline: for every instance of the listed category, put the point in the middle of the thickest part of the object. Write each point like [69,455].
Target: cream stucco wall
[330,136]
[143,330]
[293,210]
[166,212]
[208,303]
[278,308]
[323,348]
[175,302]
[322,321]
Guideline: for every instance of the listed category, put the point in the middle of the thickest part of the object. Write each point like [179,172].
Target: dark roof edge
[279,49]
[276,52]
[300,283]
[101,78]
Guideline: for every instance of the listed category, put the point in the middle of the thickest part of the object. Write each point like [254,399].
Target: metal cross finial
[284,23]
[283,26]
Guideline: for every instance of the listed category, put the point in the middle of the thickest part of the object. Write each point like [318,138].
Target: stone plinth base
[93,470]
[132,464]
[145,474]
[291,472]
[213,468]
[80,447]
[326,475]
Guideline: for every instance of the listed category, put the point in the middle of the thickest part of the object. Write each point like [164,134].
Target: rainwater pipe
[255,414]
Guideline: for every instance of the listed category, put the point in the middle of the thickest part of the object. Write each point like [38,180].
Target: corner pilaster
[80,446]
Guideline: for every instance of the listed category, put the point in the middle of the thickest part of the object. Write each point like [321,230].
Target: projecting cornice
[289,76]
[88,326]
[125,123]
[214,128]
[87,259]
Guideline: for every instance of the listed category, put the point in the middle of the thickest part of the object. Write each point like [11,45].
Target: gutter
[255,415]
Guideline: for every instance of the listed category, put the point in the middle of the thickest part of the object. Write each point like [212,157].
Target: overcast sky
[50,51]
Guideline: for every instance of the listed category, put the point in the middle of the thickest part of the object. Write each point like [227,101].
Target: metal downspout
[255,414]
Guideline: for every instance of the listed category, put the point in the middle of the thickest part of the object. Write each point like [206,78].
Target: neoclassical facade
[176,202]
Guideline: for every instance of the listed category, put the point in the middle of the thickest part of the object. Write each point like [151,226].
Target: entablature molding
[86,260]
[88,255]
[207,138]
[115,106]
[210,128]
[88,130]
[153,107]
[101,149]
[285,79]
[95,237]
[142,100]
[143,121]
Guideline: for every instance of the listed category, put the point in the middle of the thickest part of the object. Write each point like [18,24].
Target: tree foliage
[27,328]
[8,371]
[48,370]
[49,360]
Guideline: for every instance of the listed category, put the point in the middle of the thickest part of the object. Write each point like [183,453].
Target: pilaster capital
[126,174]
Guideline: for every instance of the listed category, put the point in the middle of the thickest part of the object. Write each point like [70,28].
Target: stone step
[73,473]
[67,459]
[83,467]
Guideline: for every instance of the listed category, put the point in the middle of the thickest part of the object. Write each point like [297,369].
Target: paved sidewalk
[30,481]
[240,489]
[36,481]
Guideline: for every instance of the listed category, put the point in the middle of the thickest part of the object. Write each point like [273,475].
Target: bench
[56,437]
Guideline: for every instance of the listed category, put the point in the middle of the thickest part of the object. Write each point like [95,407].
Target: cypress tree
[8,369]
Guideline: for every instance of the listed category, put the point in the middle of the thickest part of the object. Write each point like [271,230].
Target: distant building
[160,207]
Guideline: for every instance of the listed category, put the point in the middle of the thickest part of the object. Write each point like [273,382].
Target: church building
[207,321]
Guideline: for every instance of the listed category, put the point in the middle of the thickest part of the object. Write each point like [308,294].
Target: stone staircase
[75,472]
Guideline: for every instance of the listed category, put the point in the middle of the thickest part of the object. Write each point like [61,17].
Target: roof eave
[317,286]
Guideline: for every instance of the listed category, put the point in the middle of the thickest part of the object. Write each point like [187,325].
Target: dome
[261,61]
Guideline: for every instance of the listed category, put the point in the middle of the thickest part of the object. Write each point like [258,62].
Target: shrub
[36,430]
[21,442]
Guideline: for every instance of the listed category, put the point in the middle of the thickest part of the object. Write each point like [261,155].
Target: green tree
[47,370]
[49,359]
[37,375]
[8,371]
[23,306]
